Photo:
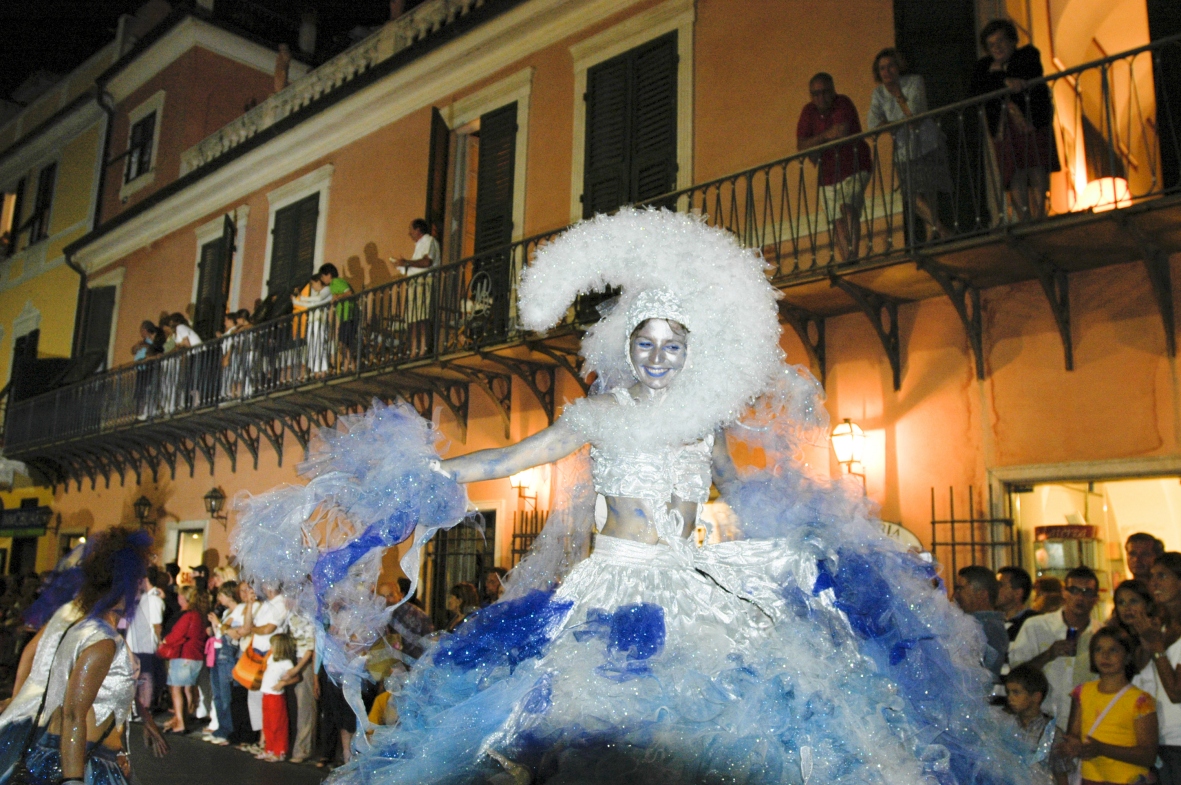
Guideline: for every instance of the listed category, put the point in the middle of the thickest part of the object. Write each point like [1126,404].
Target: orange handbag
[248,670]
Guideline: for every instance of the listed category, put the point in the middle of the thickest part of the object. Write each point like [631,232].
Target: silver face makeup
[657,354]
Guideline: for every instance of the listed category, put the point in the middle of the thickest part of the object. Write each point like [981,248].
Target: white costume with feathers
[805,648]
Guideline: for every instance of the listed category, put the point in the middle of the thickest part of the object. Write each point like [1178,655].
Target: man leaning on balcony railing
[844,171]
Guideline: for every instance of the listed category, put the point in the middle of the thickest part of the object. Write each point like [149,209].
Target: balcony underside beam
[810,329]
[1055,284]
[537,377]
[966,299]
[1160,278]
[882,312]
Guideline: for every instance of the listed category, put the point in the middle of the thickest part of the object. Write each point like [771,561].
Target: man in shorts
[844,170]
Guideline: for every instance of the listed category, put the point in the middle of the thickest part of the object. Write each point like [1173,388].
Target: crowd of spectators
[1020,152]
[1095,702]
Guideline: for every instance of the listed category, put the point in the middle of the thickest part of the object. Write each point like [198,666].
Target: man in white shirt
[419,305]
[270,618]
[1059,643]
[143,635]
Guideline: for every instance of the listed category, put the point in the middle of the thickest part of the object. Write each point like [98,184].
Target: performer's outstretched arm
[552,444]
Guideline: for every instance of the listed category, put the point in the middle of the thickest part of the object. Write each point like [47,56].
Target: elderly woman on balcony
[920,151]
[1021,124]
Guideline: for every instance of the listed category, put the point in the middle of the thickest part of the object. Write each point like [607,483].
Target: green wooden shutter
[654,124]
[96,328]
[293,245]
[607,160]
[494,178]
[213,281]
[436,186]
[631,127]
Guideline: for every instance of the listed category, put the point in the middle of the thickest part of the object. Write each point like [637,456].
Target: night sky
[57,35]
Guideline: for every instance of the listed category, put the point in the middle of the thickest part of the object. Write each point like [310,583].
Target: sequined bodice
[684,472]
[118,688]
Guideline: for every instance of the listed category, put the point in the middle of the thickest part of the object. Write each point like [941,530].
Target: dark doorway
[458,555]
[24,555]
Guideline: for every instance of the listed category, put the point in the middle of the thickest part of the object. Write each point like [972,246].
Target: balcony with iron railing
[432,336]
[415,25]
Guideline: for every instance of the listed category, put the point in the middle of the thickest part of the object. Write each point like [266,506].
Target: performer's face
[658,353]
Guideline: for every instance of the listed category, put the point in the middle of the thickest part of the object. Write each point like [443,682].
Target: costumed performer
[67,722]
[806,648]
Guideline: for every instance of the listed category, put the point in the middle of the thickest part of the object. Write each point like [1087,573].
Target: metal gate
[960,542]
[462,554]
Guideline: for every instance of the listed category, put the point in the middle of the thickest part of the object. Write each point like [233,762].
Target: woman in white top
[1161,678]
[89,676]
[920,152]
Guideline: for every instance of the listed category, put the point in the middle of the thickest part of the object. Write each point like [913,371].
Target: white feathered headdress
[674,266]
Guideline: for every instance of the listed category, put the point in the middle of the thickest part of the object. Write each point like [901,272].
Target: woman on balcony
[1021,124]
[920,151]
[805,647]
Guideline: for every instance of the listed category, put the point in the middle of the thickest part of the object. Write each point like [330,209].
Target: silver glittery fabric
[118,688]
[24,704]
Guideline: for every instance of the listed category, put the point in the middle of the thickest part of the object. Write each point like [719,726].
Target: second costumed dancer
[806,647]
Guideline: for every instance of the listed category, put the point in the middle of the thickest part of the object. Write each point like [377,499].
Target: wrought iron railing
[1104,127]
[1102,133]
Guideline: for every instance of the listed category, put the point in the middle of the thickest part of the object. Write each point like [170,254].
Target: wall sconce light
[523,482]
[215,501]
[848,442]
[143,508]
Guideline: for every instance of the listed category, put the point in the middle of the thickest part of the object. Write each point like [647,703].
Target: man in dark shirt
[407,620]
[844,170]
[1012,598]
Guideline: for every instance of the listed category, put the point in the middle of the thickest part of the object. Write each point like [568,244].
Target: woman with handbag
[77,734]
[184,648]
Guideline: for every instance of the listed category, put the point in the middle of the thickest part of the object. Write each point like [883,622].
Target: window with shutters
[631,127]
[96,326]
[484,180]
[140,148]
[293,245]
[9,219]
[38,222]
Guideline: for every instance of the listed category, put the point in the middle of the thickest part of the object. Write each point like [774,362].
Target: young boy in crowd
[1025,689]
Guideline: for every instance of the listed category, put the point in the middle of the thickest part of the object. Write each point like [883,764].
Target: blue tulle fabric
[852,667]
[45,763]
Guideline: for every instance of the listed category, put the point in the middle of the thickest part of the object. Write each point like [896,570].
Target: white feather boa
[726,302]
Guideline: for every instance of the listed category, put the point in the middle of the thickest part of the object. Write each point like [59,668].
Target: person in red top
[184,646]
[844,171]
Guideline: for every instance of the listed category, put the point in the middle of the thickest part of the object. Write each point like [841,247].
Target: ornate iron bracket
[230,448]
[537,377]
[966,299]
[423,402]
[1056,286]
[1160,277]
[498,387]
[810,328]
[882,311]
[570,362]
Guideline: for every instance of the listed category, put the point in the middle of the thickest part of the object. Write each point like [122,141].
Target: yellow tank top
[1118,728]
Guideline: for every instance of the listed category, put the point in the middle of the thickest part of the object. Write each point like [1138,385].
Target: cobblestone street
[193,762]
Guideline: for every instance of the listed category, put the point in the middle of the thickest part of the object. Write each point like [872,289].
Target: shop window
[140,147]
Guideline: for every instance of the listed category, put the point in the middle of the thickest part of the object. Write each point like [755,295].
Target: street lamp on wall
[848,442]
[143,508]
[523,482]
[215,501]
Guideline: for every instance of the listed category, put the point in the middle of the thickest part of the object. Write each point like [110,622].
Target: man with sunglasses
[1058,643]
